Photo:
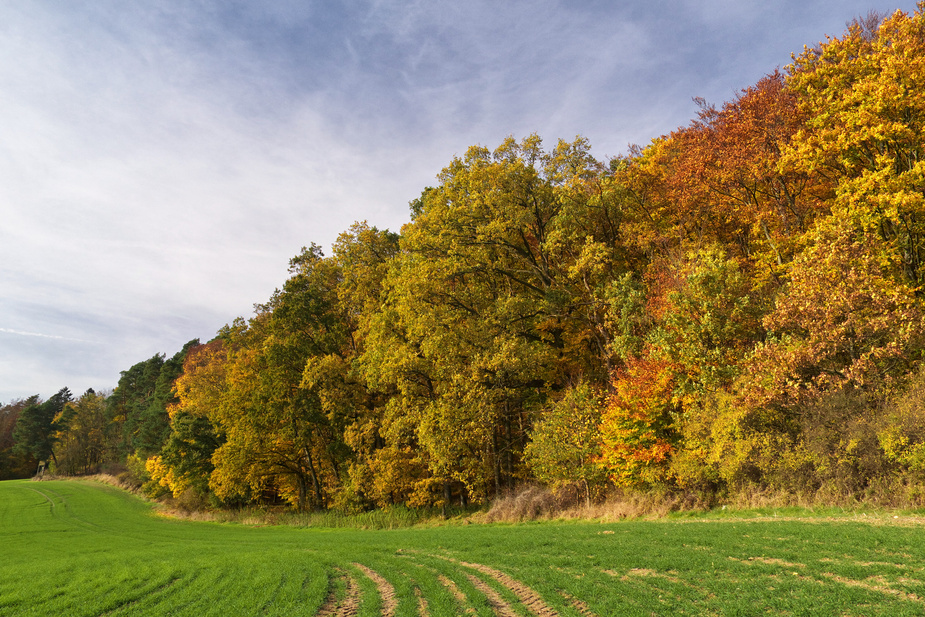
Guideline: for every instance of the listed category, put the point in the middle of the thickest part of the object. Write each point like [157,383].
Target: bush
[901,431]
[565,445]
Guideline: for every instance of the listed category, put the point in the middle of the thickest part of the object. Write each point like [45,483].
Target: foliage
[14,464]
[185,461]
[497,296]
[34,433]
[564,445]
[137,407]
[865,97]
[901,427]
[80,435]
[843,321]
[638,427]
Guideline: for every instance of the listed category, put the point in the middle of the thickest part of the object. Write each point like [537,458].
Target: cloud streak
[48,336]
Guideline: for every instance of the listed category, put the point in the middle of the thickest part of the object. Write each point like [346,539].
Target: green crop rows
[82,548]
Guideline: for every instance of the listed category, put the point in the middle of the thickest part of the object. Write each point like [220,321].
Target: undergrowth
[539,503]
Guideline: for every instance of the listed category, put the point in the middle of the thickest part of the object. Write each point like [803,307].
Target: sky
[161,161]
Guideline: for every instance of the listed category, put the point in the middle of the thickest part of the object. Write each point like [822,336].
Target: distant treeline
[736,307]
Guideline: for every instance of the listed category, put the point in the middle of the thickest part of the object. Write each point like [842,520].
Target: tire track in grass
[349,606]
[456,592]
[577,604]
[422,603]
[498,604]
[530,598]
[877,584]
[447,582]
[386,591]
[144,595]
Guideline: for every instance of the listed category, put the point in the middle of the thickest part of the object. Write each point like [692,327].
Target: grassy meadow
[85,548]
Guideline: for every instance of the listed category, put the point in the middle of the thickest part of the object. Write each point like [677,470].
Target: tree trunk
[447,496]
[314,475]
[509,448]
[496,460]
[303,490]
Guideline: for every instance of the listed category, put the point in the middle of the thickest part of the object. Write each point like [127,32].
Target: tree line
[736,306]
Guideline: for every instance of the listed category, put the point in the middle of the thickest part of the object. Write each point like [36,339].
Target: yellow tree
[185,461]
[80,436]
[362,256]
[276,438]
[497,299]
[864,98]
[843,336]
[843,321]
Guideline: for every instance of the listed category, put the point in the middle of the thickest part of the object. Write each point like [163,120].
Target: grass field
[84,548]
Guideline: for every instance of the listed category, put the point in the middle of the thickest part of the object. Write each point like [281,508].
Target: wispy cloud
[46,336]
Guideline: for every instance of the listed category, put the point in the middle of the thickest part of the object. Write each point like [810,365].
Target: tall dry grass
[534,502]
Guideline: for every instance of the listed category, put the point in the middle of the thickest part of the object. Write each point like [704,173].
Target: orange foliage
[637,427]
[721,179]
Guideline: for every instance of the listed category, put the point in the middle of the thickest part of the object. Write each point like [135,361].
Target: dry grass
[117,481]
[541,503]
[537,503]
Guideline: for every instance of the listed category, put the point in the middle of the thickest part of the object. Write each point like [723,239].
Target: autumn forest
[736,307]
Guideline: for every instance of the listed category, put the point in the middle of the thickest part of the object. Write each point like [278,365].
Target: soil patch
[386,591]
[349,606]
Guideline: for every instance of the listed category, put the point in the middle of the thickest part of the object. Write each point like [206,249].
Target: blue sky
[161,161]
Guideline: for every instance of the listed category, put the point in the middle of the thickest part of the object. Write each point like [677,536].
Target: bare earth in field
[350,604]
[386,591]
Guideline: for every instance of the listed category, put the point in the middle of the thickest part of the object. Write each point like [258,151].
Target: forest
[736,307]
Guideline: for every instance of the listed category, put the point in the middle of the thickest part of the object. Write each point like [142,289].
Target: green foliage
[564,445]
[35,429]
[14,464]
[137,407]
[708,320]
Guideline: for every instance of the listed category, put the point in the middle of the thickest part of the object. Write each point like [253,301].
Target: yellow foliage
[164,476]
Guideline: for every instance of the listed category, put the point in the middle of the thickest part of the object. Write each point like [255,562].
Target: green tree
[278,437]
[14,464]
[565,443]
[35,429]
[130,402]
[137,407]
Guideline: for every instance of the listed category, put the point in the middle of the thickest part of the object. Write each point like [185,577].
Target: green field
[84,548]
